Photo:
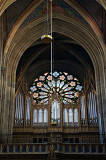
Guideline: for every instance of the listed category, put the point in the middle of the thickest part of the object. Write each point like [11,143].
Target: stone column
[101,101]
[10,101]
[1,52]
[3,83]
[104,101]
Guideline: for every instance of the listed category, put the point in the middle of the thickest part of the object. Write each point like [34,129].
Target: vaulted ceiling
[68,55]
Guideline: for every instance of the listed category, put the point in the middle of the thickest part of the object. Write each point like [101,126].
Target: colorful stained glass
[35,95]
[57,89]
[69,77]
[42,96]
[69,92]
[62,94]
[67,89]
[53,83]
[46,86]
[65,73]
[62,77]
[49,78]
[46,102]
[58,83]
[76,94]
[43,89]
[75,79]
[50,84]
[36,80]
[34,101]
[61,84]
[72,83]
[56,74]
[78,87]
[65,102]
[42,78]
[46,74]
[54,89]
[51,91]
[69,96]
[61,91]
[42,93]
[39,84]
[67,86]
[33,88]
[69,100]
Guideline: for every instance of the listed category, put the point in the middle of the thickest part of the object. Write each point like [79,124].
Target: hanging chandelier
[47,38]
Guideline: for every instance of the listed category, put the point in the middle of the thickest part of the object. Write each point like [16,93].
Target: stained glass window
[65,85]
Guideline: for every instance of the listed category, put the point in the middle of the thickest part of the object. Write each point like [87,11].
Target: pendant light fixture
[47,38]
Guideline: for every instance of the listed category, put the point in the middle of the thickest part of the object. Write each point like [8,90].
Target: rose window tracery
[65,85]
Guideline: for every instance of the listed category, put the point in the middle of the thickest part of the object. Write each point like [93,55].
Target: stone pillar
[1,52]
[3,83]
[101,101]
[104,100]
[10,101]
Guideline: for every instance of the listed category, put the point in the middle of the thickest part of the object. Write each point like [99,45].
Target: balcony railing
[58,148]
